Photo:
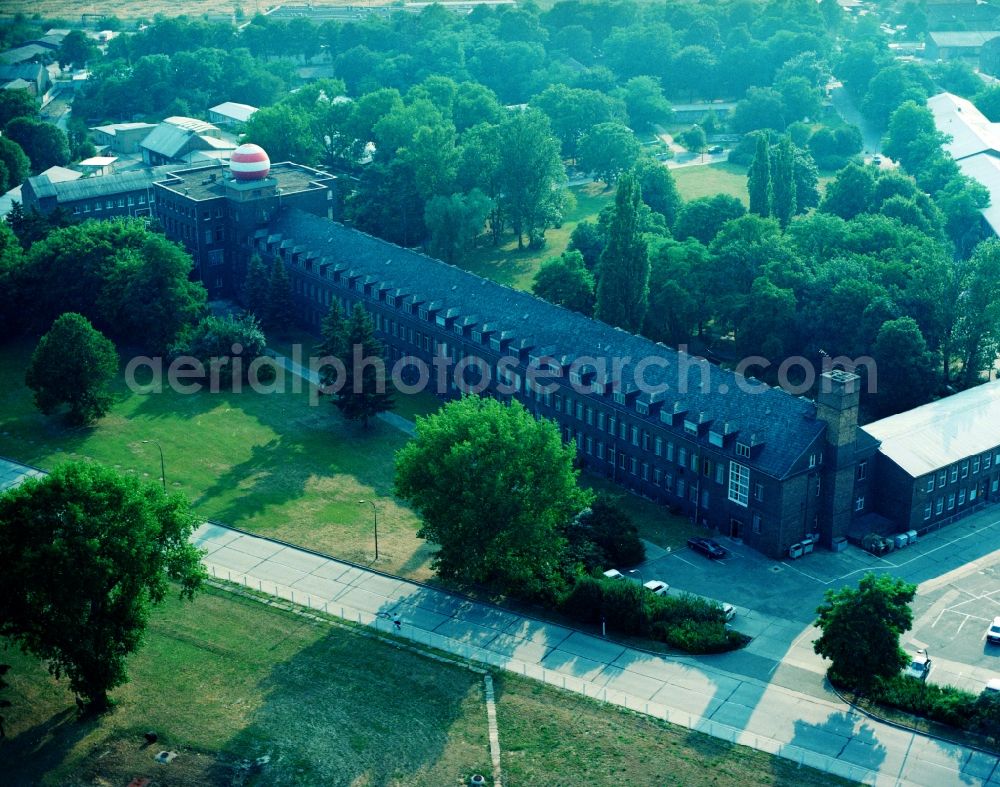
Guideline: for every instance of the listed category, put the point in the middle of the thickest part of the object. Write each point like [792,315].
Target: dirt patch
[121,761]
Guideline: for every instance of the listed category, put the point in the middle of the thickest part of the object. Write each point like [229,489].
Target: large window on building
[739,483]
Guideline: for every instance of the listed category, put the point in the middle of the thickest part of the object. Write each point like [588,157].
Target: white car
[656,587]
[993,632]
[920,666]
[993,685]
[612,573]
[729,610]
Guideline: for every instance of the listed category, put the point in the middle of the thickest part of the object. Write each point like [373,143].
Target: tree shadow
[846,736]
[339,714]
[41,748]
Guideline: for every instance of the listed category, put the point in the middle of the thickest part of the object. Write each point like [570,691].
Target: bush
[699,636]
[229,344]
[944,704]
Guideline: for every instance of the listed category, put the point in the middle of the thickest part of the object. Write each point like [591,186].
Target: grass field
[273,464]
[507,265]
[712,179]
[330,707]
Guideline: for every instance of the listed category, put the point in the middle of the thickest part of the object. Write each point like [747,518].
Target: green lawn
[711,179]
[507,265]
[274,464]
[331,707]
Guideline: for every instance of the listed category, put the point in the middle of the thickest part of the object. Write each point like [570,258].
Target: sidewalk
[689,692]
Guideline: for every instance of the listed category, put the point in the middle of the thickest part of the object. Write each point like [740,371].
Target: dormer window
[477,336]
[495,343]
[619,397]
[716,439]
[359,285]
[743,450]
[390,300]
[691,427]
[422,313]
[642,408]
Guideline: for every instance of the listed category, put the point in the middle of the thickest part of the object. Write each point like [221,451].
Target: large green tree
[907,375]
[365,391]
[759,178]
[565,281]
[256,286]
[86,552]
[72,365]
[623,281]
[454,223]
[783,198]
[16,104]
[495,490]
[607,150]
[279,315]
[861,630]
[44,144]
[978,330]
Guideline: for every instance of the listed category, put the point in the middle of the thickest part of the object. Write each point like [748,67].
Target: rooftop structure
[231,112]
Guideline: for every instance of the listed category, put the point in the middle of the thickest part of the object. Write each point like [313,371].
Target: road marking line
[685,561]
[959,631]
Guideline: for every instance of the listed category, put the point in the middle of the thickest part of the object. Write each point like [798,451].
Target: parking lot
[957,571]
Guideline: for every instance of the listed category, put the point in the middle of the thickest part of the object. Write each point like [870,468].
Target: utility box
[839,544]
[901,540]
[807,545]
[795,551]
[912,536]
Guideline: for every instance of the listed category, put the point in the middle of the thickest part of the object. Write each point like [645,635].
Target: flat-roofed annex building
[104,197]
[940,461]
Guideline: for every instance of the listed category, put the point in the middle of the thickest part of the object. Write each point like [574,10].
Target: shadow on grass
[340,712]
[41,748]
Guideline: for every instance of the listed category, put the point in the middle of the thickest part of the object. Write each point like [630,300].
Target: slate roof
[785,424]
[940,433]
[167,140]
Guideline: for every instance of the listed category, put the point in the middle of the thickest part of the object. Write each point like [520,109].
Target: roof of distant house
[114,128]
[20,54]
[190,124]
[963,38]
[98,161]
[230,109]
[19,84]
[970,130]
[85,188]
[938,434]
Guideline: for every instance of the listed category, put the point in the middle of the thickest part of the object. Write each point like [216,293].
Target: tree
[659,191]
[800,98]
[565,281]
[645,103]
[913,139]
[702,218]
[861,630]
[16,104]
[906,376]
[607,150]
[454,223]
[495,490]
[759,178]
[87,552]
[4,703]
[76,49]
[783,198]
[256,286]
[44,144]
[587,239]
[608,527]
[364,393]
[694,139]
[850,192]
[235,341]
[286,133]
[528,172]
[280,311]
[676,287]
[14,160]
[762,108]
[334,343]
[978,330]
[73,364]
[623,283]
[806,178]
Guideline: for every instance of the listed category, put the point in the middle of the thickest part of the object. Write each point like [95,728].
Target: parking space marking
[683,560]
[803,573]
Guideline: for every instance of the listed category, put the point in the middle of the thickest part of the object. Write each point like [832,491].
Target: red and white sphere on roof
[249,162]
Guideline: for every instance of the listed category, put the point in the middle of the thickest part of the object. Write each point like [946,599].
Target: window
[215,257]
[930,484]
[645,440]
[927,510]
[97,206]
[645,471]
[954,474]
[579,410]
[658,446]
[758,491]
[590,415]
[589,443]
[862,471]
[859,504]
[635,435]
[142,199]
[633,465]
[121,202]
[621,460]
[612,423]
[986,461]
[682,456]
[739,483]
[690,427]
[131,200]
[812,460]
[657,476]
[208,236]
[668,482]
[819,485]
[965,469]
[961,497]
[755,524]
[558,400]
[720,472]
[670,452]
[975,465]
[600,449]
[600,421]
[681,487]
[939,505]
[714,438]
[694,461]
[951,501]
[76,210]
[742,449]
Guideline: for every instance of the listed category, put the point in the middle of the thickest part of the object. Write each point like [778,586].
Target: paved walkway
[816,731]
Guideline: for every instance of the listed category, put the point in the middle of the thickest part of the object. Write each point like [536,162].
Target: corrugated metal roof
[938,434]
[190,124]
[167,140]
[970,131]
[985,168]
[86,188]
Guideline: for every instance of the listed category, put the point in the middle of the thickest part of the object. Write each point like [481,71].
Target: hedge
[945,704]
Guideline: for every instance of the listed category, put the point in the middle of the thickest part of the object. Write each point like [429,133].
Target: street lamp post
[375,512]
[163,471]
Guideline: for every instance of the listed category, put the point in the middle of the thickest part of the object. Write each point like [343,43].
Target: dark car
[715,149]
[707,547]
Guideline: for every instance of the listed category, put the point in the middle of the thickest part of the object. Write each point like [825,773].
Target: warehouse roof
[938,434]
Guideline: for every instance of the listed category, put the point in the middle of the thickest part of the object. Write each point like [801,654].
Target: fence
[381,622]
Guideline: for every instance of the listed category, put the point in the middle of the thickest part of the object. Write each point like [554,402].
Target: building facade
[105,197]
